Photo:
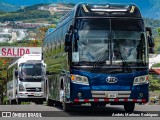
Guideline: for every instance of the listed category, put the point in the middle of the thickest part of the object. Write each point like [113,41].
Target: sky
[147,7]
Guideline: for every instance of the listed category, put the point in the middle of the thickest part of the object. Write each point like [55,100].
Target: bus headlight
[141,80]
[79,79]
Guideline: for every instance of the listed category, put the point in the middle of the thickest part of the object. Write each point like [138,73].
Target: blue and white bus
[98,54]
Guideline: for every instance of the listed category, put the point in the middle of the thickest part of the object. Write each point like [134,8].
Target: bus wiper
[99,60]
[123,60]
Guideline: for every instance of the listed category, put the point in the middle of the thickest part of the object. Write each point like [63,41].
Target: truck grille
[104,94]
[33,89]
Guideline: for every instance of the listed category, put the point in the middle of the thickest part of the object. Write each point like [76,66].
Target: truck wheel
[129,107]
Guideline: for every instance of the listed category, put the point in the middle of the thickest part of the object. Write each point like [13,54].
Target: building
[5,34]
[153,59]
[56,8]
[155,71]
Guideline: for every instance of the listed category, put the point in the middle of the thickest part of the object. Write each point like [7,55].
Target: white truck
[24,80]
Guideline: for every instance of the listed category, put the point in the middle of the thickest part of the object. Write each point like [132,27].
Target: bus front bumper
[30,95]
[110,100]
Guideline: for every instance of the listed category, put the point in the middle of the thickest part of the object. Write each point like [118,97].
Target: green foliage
[158,31]
[5,100]
[156,65]
[154,83]
[2,12]
[154,24]
[18,16]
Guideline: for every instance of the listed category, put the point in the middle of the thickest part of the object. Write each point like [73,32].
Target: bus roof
[107,10]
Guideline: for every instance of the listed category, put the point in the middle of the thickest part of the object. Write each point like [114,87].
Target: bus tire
[67,107]
[129,107]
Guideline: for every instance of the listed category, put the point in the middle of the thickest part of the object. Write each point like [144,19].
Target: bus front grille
[33,89]
[105,94]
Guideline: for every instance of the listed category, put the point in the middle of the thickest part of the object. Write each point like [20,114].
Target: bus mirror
[16,73]
[151,50]
[149,30]
[150,41]
[67,39]
[76,41]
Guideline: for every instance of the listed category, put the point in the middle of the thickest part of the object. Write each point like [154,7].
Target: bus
[24,80]
[98,54]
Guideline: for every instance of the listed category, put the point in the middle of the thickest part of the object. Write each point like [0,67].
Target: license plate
[112,95]
[37,94]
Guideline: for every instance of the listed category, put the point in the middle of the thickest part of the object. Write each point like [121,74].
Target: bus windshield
[93,39]
[111,41]
[28,69]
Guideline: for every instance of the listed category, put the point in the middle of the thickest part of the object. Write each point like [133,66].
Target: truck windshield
[119,39]
[28,69]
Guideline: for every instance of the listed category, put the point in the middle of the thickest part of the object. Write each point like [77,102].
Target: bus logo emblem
[111,79]
[37,89]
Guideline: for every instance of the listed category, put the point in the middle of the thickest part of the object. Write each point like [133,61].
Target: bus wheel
[67,107]
[129,107]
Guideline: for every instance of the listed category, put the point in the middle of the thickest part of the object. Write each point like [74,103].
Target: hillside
[2,12]
[32,14]
[154,24]
[27,13]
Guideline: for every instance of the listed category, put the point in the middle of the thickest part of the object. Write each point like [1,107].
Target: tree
[154,83]
[42,31]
